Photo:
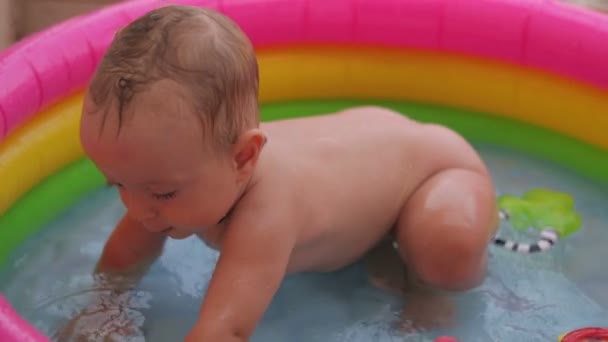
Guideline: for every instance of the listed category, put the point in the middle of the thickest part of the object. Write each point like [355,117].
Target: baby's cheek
[182,213]
[123,195]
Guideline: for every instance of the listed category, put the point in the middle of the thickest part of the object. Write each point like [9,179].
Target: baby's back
[352,173]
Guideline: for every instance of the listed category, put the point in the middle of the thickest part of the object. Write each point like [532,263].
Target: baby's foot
[385,269]
[427,311]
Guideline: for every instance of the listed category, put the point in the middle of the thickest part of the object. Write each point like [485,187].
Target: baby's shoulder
[265,212]
[270,199]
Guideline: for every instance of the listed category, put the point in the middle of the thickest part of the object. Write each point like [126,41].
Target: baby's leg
[443,234]
[385,268]
[423,309]
[445,227]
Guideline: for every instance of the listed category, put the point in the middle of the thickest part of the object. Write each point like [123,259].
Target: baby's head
[171,117]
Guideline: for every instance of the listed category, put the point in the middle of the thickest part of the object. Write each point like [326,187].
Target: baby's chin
[178,234]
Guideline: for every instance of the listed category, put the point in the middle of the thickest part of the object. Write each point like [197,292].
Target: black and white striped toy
[548,238]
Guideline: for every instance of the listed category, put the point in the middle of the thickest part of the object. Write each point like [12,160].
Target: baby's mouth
[166,230]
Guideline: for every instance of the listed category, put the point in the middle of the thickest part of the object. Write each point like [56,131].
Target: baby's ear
[247,150]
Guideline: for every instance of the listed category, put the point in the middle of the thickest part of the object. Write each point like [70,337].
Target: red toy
[586,334]
[446,339]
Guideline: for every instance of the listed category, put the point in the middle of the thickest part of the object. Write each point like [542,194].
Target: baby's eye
[165,196]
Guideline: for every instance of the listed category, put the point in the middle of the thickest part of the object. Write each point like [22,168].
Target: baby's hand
[107,317]
[115,325]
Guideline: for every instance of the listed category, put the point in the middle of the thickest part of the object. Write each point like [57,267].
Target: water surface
[525,297]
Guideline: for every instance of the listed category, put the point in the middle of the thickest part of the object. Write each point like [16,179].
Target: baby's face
[166,178]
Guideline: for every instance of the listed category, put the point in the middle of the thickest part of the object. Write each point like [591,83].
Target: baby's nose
[140,211]
[145,215]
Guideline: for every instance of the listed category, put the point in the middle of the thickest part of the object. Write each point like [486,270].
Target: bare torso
[349,175]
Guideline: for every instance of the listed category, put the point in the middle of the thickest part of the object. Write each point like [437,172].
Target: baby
[171,118]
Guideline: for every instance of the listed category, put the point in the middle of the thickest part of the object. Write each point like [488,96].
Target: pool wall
[529,74]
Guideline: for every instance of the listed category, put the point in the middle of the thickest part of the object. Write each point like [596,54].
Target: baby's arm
[126,256]
[130,250]
[250,269]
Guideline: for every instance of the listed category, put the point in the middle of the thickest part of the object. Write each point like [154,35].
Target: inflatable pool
[528,75]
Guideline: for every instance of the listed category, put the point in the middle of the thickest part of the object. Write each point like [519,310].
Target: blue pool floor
[524,298]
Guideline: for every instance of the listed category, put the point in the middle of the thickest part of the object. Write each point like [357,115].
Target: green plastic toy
[549,211]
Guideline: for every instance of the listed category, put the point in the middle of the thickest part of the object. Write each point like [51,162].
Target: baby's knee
[470,216]
[462,265]
[453,215]
[454,263]
[461,199]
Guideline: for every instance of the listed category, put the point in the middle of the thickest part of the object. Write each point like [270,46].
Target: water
[525,297]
